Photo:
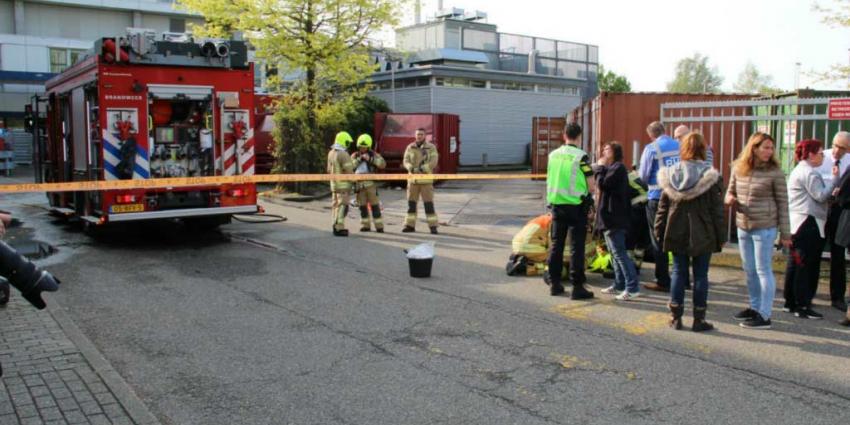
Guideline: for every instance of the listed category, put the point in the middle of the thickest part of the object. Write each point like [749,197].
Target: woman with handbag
[807,202]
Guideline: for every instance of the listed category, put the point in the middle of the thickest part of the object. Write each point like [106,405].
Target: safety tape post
[166,183]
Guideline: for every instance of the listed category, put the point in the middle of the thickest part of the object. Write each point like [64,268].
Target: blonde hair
[692,147]
[747,159]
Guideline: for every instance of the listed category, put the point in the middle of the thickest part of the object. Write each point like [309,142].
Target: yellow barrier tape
[220,180]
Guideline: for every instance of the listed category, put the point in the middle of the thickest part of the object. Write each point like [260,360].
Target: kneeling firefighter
[530,248]
[339,163]
[367,161]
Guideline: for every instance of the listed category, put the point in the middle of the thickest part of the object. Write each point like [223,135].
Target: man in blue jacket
[662,152]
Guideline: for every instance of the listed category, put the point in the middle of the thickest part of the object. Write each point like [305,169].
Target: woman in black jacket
[613,217]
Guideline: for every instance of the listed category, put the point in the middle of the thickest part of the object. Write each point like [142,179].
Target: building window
[61,59]
[480,40]
[572,51]
[176,25]
[510,43]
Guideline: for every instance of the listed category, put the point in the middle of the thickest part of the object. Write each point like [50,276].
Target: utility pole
[797,66]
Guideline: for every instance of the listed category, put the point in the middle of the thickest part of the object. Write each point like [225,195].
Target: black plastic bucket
[420,267]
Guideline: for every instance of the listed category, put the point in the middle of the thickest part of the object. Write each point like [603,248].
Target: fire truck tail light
[125,199]
[236,193]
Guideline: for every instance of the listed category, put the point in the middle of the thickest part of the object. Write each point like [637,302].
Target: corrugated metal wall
[407,100]
[493,122]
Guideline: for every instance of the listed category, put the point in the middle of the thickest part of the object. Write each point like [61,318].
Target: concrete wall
[493,122]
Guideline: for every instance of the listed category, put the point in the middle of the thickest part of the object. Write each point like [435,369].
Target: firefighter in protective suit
[420,157]
[530,248]
[339,163]
[367,161]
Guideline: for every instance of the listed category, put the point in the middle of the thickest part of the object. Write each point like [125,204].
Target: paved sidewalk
[52,374]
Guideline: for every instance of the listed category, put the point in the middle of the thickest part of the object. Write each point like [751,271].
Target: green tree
[611,82]
[750,80]
[693,75]
[321,45]
[837,16]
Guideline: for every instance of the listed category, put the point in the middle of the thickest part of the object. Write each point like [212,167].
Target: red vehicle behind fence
[393,132]
[138,108]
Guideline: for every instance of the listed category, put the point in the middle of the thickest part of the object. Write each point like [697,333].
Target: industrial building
[497,82]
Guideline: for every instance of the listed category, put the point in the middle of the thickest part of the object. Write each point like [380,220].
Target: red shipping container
[547,134]
[623,117]
[393,132]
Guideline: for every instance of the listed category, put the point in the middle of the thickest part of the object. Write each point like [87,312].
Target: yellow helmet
[364,140]
[343,139]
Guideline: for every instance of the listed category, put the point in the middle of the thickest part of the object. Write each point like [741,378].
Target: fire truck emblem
[124,158]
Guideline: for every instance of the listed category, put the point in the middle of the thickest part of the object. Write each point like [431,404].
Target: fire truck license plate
[115,209]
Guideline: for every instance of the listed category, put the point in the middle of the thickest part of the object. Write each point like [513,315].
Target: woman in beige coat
[759,194]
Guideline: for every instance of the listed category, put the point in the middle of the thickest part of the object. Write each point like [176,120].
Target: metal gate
[727,126]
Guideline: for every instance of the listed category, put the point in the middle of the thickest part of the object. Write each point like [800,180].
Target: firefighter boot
[676,312]
[377,218]
[431,217]
[25,276]
[410,221]
[700,324]
[365,226]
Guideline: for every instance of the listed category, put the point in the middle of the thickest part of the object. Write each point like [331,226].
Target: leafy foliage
[320,51]
[693,75]
[611,82]
[750,80]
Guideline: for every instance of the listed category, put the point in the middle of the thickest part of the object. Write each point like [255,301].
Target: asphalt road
[285,324]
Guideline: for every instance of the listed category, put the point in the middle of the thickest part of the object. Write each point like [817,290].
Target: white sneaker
[628,296]
[611,290]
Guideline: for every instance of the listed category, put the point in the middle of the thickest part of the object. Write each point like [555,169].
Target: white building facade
[40,38]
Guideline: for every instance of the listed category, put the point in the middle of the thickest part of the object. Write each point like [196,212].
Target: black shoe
[656,287]
[845,322]
[381,230]
[789,308]
[839,305]
[580,293]
[365,229]
[5,293]
[408,229]
[433,230]
[556,290]
[343,232]
[808,313]
[756,322]
[746,314]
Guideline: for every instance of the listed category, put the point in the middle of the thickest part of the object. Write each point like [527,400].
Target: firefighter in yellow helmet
[367,161]
[420,157]
[339,163]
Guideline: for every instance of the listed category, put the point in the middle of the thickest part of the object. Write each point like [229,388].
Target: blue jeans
[681,263]
[756,248]
[625,274]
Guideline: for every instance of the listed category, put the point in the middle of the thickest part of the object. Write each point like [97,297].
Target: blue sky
[644,39]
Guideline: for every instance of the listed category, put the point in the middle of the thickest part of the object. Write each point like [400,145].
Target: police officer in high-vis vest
[662,152]
[367,161]
[420,157]
[568,191]
[339,162]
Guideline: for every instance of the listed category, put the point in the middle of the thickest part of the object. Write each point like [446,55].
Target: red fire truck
[141,106]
